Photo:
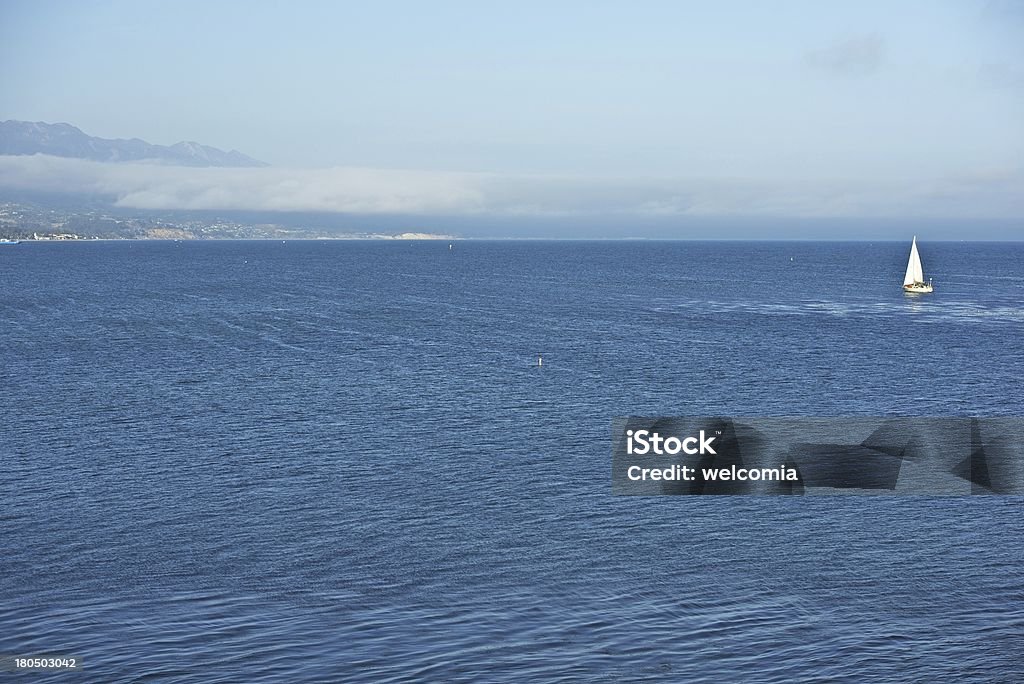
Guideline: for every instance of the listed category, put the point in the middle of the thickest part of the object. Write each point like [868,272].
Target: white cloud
[991,194]
[151,186]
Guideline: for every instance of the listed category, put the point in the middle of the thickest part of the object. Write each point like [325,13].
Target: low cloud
[992,194]
[153,186]
[858,56]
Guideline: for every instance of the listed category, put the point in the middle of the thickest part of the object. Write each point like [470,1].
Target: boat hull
[918,288]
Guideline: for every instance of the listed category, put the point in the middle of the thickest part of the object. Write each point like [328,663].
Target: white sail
[915,274]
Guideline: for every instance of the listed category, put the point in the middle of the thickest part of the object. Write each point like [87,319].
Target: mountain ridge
[19,138]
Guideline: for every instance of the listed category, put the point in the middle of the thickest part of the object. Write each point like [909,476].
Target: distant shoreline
[452,238]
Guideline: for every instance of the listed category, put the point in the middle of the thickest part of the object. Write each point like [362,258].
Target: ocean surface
[339,461]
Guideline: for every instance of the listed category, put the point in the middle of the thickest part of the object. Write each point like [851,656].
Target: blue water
[306,461]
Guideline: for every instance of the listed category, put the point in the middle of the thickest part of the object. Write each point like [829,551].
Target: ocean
[340,461]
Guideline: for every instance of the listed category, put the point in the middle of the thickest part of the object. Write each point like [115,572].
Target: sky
[798,108]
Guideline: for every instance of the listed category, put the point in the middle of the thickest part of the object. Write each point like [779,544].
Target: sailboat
[913,281]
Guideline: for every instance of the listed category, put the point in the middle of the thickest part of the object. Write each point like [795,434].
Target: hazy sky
[806,107]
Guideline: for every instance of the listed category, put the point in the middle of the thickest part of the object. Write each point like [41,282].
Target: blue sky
[839,109]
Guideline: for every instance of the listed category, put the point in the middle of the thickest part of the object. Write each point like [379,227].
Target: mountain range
[64,140]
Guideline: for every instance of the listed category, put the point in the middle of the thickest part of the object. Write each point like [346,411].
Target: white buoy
[540,360]
[449,246]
